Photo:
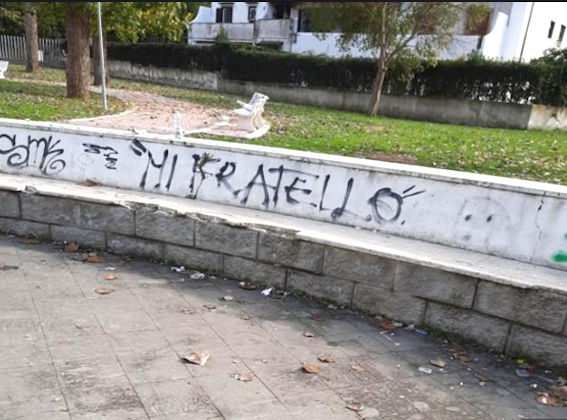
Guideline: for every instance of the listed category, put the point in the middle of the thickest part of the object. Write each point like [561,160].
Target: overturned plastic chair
[3,68]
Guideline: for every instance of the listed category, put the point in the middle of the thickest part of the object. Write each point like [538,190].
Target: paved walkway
[67,352]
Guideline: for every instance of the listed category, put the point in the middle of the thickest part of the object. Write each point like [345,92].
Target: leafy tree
[392,31]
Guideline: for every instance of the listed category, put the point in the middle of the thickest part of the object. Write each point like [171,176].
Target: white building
[515,30]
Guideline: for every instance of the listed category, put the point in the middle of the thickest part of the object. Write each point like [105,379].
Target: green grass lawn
[37,102]
[532,155]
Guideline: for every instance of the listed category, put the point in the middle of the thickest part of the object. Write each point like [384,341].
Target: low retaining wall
[453,111]
[503,315]
[519,220]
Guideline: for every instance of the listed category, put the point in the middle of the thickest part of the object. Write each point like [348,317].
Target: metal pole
[101,48]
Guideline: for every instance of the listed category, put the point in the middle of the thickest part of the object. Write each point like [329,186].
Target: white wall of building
[517,30]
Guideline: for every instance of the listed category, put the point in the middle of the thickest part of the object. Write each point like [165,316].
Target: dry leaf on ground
[110,277]
[72,247]
[355,406]
[559,392]
[357,368]
[243,377]
[199,359]
[317,318]
[326,359]
[31,241]
[250,286]
[463,358]
[210,307]
[312,369]
[438,363]
[4,267]
[104,291]
[308,334]
[387,325]
[93,259]
[228,298]
[90,183]
[549,400]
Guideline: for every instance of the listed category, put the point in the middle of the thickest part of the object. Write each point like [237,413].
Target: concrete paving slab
[68,353]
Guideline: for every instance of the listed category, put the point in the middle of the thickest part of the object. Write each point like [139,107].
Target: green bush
[542,81]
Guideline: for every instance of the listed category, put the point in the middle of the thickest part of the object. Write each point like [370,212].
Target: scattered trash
[355,406]
[104,291]
[92,259]
[357,368]
[199,359]
[482,384]
[326,359]
[31,242]
[179,270]
[228,298]
[110,269]
[420,332]
[333,307]
[243,377]
[79,327]
[264,361]
[312,369]
[210,307]
[249,286]
[198,276]
[522,373]
[267,292]
[4,267]
[308,334]
[410,327]
[110,277]
[425,370]
[71,247]
[398,325]
[521,362]
[559,392]
[438,363]
[534,386]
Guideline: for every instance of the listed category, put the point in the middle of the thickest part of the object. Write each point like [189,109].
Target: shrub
[542,81]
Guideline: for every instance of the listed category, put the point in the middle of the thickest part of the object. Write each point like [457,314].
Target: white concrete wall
[510,218]
[537,40]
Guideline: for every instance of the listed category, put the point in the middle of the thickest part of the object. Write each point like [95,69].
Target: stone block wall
[518,322]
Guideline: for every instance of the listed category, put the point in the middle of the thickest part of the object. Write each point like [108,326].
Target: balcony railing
[237,32]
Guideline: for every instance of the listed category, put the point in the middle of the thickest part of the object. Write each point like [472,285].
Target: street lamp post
[101,50]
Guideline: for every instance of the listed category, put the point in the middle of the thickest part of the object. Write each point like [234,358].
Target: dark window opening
[562,34]
[252,13]
[551,30]
[224,14]
[283,11]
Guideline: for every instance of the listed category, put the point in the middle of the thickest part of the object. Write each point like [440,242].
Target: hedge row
[469,79]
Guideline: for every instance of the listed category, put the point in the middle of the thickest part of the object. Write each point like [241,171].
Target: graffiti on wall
[45,154]
[159,168]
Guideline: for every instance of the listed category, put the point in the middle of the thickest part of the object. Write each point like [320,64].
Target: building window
[551,30]
[224,13]
[562,34]
[252,9]
[283,11]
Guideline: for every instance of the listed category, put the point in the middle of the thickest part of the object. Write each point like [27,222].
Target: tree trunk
[32,40]
[78,29]
[377,91]
[97,64]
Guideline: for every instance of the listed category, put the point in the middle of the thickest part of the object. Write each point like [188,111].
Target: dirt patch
[395,158]
[155,114]
[376,129]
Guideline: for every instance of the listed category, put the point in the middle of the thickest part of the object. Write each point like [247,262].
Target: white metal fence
[14,48]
